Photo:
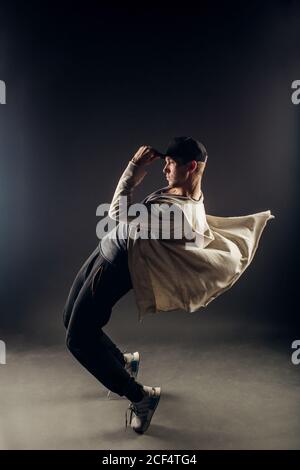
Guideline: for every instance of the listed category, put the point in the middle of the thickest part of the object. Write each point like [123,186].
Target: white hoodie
[173,274]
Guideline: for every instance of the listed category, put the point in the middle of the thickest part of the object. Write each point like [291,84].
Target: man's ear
[193,165]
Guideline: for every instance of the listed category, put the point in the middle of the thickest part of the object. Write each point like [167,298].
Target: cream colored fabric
[166,275]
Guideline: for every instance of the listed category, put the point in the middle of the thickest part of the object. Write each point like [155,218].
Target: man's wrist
[137,164]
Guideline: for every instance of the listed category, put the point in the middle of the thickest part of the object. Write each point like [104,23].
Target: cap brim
[159,154]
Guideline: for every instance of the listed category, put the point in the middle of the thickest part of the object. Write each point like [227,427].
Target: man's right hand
[145,155]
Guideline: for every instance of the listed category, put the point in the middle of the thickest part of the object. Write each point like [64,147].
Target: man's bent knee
[73,344]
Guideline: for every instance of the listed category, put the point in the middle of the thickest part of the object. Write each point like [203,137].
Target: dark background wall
[88,84]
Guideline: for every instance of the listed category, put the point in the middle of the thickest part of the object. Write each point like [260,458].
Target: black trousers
[96,288]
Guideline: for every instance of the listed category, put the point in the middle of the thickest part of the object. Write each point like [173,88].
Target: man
[168,269]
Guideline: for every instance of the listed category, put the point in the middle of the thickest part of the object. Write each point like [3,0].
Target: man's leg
[104,286]
[78,283]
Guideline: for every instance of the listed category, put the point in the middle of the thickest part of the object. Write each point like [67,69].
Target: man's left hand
[145,155]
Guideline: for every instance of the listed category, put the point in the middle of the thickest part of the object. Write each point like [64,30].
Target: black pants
[97,287]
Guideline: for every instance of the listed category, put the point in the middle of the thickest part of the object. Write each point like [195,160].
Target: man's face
[175,172]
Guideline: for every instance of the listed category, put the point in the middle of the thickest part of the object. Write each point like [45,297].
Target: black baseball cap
[185,148]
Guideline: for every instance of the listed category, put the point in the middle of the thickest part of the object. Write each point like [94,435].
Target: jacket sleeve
[122,198]
[146,216]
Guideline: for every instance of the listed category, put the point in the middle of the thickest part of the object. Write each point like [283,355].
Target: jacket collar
[162,192]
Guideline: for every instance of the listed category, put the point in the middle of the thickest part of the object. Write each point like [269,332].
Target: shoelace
[131,409]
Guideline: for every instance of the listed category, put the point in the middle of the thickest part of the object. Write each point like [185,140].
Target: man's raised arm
[132,176]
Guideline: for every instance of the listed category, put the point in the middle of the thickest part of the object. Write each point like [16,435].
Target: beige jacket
[166,275]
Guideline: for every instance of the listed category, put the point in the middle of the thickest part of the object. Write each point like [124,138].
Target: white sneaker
[132,366]
[132,363]
[144,409]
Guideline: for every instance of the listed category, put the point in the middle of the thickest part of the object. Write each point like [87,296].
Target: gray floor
[224,387]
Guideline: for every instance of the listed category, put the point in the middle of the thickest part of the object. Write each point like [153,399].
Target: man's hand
[145,155]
